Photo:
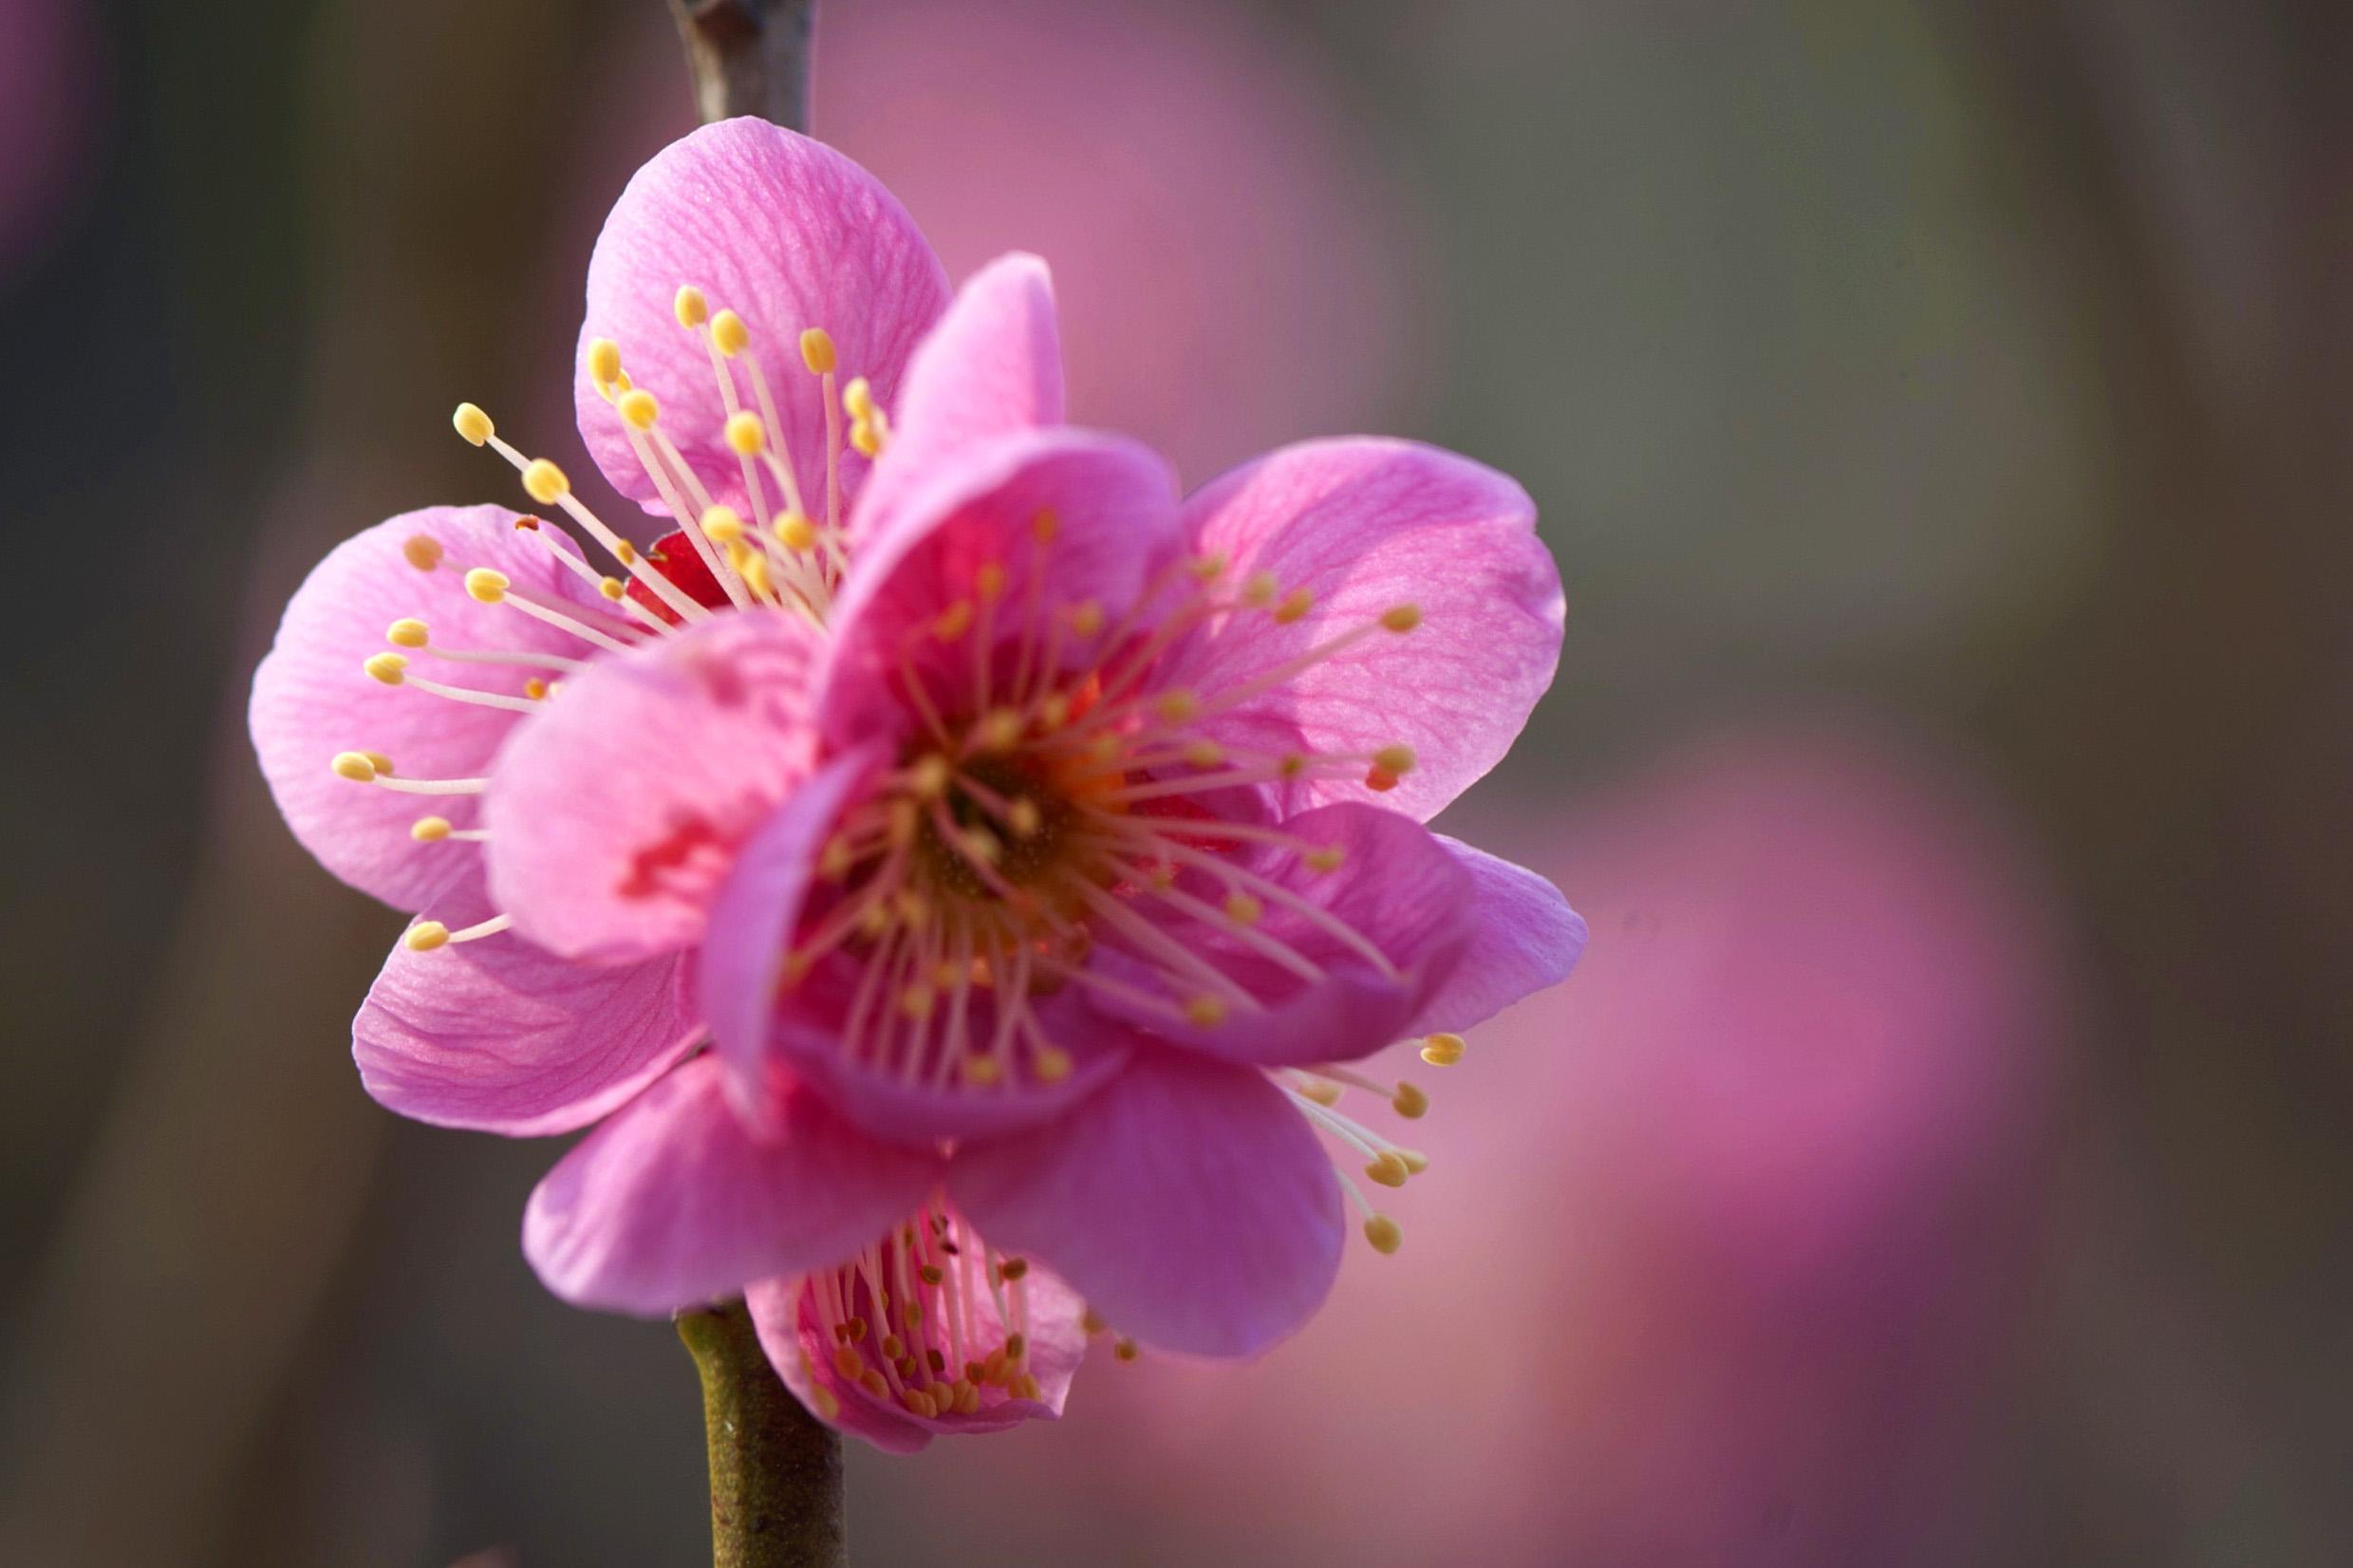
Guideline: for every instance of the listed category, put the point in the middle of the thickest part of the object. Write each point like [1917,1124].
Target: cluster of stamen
[930,1318]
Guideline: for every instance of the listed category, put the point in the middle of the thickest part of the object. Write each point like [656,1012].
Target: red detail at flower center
[655,866]
[676,558]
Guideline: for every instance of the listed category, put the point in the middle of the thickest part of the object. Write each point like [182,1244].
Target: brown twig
[775,1470]
[748,57]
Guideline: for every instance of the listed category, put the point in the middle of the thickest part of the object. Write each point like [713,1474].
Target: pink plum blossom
[1034,847]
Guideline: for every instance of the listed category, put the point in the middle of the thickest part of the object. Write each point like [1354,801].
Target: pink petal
[786,1318]
[1114,524]
[1366,525]
[788,233]
[615,814]
[1396,888]
[1524,937]
[311,700]
[993,366]
[758,909]
[501,1037]
[1187,1202]
[675,1202]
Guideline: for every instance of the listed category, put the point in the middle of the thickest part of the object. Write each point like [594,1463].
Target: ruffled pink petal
[1187,1202]
[1524,937]
[1112,524]
[993,366]
[1364,526]
[1383,931]
[615,814]
[311,700]
[788,233]
[786,1316]
[674,1200]
[498,1035]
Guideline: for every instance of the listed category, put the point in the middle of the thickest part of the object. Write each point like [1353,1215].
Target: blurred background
[1940,415]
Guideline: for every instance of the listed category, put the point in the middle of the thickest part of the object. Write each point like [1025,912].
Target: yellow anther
[534,688]
[722,524]
[952,622]
[817,350]
[981,1071]
[473,423]
[1243,910]
[1024,817]
[745,434]
[690,307]
[1327,858]
[795,531]
[1205,753]
[387,667]
[929,777]
[914,910]
[1204,1011]
[1291,765]
[429,830]
[621,384]
[1052,1064]
[1411,1101]
[1387,1170]
[1383,1233]
[1087,618]
[1259,590]
[989,582]
[916,1002]
[408,632]
[1092,1321]
[1126,1349]
[847,1362]
[1414,1160]
[382,763]
[1054,710]
[544,482]
[1013,1269]
[1394,760]
[1044,527]
[1177,706]
[755,569]
[625,551]
[638,408]
[982,845]
[728,331]
[874,919]
[612,588]
[603,362]
[858,399]
[354,766]
[425,936]
[1295,606]
[1402,617]
[822,1399]
[1207,567]
[487,585]
[1001,729]
[871,1381]
[739,554]
[865,437]
[422,550]
[1322,1091]
[1443,1049]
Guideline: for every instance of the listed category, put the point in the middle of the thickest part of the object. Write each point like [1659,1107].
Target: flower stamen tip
[544,482]
[473,423]
[487,585]
[1383,1233]
[1443,1049]
[408,632]
[425,936]
[817,351]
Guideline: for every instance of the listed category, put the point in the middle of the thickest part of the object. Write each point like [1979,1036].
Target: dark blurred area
[1940,415]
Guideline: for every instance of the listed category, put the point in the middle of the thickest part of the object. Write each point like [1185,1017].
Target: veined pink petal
[1187,1202]
[790,234]
[1524,937]
[499,1036]
[1110,524]
[311,700]
[1365,526]
[615,814]
[993,366]
[793,1330]
[1381,929]
[675,1201]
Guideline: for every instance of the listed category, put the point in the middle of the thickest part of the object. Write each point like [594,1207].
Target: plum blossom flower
[1035,848]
